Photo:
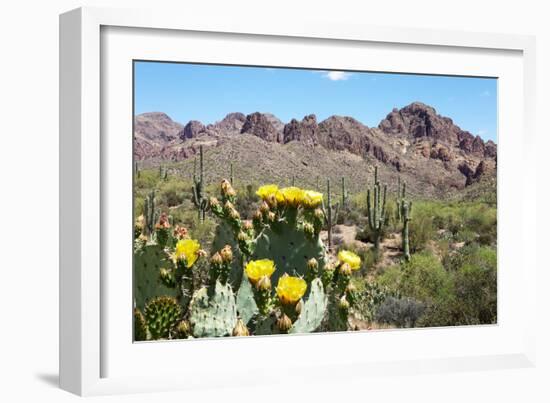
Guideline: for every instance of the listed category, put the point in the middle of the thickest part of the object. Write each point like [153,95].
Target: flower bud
[264,284]
[264,208]
[350,288]
[240,329]
[228,206]
[284,323]
[312,264]
[241,237]
[180,232]
[271,216]
[226,254]
[345,269]
[216,259]
[309,230]
[234,214]
[257,216]
[343,304]
[319,214]
[272,201]
[214,202]
[247,225]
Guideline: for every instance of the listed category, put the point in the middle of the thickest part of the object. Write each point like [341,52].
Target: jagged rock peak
[263,125]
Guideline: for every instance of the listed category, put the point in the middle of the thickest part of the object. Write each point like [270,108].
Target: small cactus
[162,315]
[376,207]
[199,198]
[330,213]
[404,209]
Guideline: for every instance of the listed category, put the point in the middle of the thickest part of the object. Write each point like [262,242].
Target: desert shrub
[425,280]
[400,312]
[370,294]
[466,235]
[421,230]
[172,192]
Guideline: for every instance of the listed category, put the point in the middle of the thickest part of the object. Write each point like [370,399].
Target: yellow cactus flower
[291,289]
[354,261]
[292,196]
[267,190]
[188,249]
[312,199]
[256,269]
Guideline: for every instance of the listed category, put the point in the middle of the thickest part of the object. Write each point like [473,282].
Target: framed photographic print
[328,194]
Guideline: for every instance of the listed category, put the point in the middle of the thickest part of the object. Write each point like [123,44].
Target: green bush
[421,230]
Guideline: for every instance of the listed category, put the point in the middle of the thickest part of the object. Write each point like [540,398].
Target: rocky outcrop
[156,126]
[264,126]
[414,140]
[231,124]
[343,133]
[306,131]
[191,130]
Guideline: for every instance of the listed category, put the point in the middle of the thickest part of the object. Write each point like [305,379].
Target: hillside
[430,152]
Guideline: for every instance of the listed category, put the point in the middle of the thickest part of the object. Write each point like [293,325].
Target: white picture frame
[95,46]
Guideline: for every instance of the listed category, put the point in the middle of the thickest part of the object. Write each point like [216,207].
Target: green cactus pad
[147,264]
[162,315]
[265,325]
[290,249]
[313,310]
[213,311]
[224,236]
[246,305]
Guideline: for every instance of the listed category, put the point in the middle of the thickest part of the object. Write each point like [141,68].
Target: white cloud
[485,93]
[481,132]
[337,75]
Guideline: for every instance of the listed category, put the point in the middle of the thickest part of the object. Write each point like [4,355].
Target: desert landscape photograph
[273,201]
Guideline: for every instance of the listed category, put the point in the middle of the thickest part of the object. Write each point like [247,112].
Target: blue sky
[208,92]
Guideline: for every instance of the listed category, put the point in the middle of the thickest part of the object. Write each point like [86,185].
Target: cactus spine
[404,209]
[330,213]
[376,207]
[199,198]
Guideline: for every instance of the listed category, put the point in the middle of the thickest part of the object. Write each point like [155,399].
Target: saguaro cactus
[199,198]
[330,213]
[344,192]
[404,208]
[231,179]
[376,206]
[150,214]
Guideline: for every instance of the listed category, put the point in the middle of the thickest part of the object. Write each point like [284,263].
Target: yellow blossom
[292,196]
[312,199]
[354,261]
[187,249]
[291,289]
[256,269]
[267,190]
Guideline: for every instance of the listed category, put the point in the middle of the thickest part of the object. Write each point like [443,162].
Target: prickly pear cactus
[213,311]
[313,310]
[224,236]
[147,264]
[162,315]
[246,305]
[289,247]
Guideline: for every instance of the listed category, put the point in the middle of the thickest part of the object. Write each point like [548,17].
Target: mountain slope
[433,154]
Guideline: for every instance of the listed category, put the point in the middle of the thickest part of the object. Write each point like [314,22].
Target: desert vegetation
[227,254]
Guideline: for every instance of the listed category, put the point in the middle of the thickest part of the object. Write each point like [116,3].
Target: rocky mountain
[413,142]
